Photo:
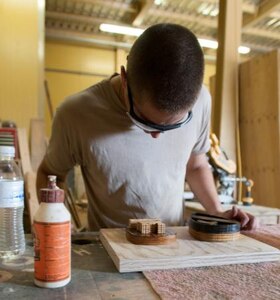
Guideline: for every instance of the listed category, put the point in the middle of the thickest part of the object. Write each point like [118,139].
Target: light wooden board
[226,89]
[24,151]
[260,125]
[185,252]
[31,194]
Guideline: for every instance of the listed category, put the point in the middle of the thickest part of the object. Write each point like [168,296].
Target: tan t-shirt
[127,173]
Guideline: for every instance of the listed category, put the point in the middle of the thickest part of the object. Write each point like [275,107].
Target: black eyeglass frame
[157,127]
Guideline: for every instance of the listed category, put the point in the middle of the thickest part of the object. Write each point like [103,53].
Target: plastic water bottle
[12,241]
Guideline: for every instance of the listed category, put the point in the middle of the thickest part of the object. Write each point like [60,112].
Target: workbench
[94,276]
[266,215]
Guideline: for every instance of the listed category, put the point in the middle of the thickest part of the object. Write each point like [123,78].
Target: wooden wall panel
[21,60]
[260,126]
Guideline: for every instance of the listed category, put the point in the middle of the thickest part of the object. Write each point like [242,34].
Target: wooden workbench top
[94,275]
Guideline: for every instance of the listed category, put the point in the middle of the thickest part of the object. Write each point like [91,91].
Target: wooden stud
[226,90]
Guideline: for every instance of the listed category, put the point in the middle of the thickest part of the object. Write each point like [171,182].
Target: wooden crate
[260,126]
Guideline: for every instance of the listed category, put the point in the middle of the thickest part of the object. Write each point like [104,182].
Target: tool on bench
[248,200]
[205,227]
[224,171]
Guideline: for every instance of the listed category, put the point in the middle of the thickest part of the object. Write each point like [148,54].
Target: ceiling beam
[275,14]
[85,39]
[109,4]
[266,7]
[213,23]
[262,33]
[257,47]
[249,8]
[79,18]
[144,7]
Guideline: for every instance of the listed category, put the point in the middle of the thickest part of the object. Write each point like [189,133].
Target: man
[107,130]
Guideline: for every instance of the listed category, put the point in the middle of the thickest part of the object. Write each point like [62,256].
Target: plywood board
[31,194]
[185,252]
[260,125]
[24,151]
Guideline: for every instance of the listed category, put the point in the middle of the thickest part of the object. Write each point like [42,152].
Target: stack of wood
[147,226]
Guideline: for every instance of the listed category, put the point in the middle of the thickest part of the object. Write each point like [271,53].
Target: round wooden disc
[214,237]
[205,227]
[136,237]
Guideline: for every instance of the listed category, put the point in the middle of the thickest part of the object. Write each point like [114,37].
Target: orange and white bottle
[52,238]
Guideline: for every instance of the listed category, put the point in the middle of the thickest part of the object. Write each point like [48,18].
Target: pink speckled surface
[233,282]
[269,234]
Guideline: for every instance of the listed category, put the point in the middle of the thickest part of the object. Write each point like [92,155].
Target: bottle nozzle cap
[52,194]
[52,182]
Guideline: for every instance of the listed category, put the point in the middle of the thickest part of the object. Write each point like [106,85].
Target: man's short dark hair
[166,63]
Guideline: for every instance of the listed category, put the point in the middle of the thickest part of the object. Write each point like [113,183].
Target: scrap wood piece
[31,194]
[149,232]
[24,151]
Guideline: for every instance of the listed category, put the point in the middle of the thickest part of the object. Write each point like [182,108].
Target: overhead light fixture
[208,43]
[121,29]
[244,50]
[214,45]
[126,30]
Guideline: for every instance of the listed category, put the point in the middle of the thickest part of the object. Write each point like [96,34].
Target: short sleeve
[60,156]
[203,143]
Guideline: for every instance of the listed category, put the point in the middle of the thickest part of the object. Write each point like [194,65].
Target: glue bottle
[52,238]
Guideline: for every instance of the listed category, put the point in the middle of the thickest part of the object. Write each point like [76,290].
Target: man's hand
[247,221]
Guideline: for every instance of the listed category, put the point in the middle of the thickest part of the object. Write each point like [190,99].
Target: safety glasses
[151,127]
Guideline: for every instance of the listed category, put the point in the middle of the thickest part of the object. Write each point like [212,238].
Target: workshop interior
[51,49]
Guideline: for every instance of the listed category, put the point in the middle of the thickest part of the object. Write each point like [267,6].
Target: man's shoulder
[204,94]
[83,100]
[203,100]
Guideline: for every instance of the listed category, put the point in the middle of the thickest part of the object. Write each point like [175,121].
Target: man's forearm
[200,179]
[202,185]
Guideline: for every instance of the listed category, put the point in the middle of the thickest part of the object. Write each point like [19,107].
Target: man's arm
[42,177]
[200,179]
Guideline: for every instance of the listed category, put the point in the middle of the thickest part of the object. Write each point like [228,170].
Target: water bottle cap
[52,194]
[7,151]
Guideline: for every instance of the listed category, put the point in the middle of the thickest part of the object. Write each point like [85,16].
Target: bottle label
[52,248]
[11,193]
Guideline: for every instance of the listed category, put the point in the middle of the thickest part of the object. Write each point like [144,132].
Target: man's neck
[117,86]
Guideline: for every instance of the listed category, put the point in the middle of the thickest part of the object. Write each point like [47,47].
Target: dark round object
[211,224]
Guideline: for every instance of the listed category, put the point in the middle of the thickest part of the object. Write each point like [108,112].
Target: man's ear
[123,78]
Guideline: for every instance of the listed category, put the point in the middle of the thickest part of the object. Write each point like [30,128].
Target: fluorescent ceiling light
[126,30]
[214,45]
[243,50]
[208,43]
[121,29]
